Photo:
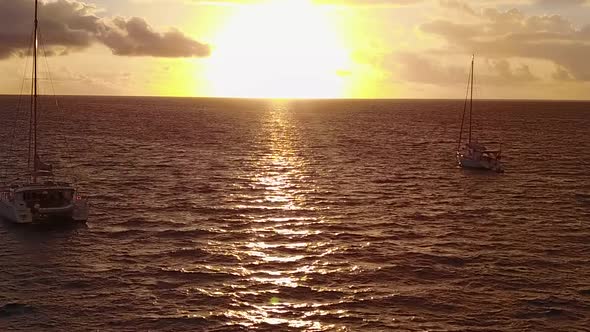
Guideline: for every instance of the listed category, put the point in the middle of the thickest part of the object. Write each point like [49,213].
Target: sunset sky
[525,49]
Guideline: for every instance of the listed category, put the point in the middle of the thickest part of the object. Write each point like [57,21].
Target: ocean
[318,215]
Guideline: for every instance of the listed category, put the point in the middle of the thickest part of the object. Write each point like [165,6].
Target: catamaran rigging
[42,198]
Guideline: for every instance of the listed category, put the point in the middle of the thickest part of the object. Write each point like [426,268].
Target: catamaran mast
[471,98]
[35,157]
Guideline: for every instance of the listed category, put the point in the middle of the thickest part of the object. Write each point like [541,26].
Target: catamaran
[41,198]
[474,154]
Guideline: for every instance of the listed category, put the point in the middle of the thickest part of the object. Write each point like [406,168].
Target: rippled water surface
[229,215]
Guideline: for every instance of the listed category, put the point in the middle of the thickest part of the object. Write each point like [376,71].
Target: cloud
[135,37]
[560,3]
[457,5]
[561,74]
[71,25]
[368,2]
[421,69]
[320,2]
[505,73]
[511,33]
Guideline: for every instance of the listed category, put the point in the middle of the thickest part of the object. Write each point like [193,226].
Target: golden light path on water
[274,258]
[281,240]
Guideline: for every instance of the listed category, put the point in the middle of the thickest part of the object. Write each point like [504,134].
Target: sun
[278,49]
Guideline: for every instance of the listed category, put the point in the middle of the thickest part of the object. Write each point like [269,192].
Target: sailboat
[474,154]
[41,199]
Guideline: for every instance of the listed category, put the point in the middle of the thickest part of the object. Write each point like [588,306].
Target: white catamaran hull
[20,214]
[16,214]
[80,212]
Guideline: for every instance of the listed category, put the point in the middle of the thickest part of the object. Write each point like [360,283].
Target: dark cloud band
[71,25]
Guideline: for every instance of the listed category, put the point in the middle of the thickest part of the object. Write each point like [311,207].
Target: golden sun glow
[278,49]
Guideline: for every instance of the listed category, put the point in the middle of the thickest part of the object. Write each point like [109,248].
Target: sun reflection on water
[282,237]
[271,256]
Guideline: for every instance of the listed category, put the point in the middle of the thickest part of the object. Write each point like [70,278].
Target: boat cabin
[44,196]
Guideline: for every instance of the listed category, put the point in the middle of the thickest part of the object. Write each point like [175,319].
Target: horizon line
[293,98]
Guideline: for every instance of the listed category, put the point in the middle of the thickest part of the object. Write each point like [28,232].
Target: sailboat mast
[464,111]
[471,98]
[35,157]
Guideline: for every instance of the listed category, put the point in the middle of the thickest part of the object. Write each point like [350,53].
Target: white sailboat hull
[468,163]
[491,164]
